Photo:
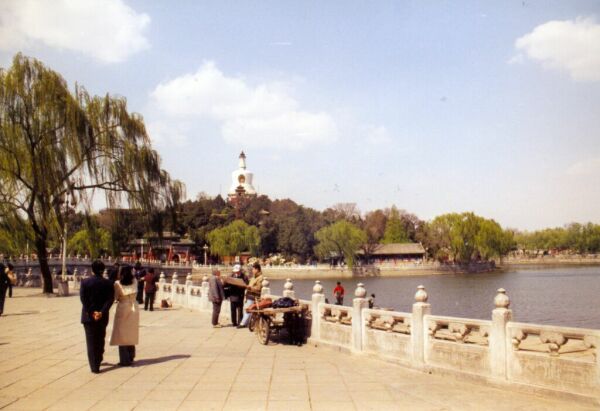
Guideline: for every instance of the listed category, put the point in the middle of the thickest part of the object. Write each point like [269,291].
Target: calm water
[559,296]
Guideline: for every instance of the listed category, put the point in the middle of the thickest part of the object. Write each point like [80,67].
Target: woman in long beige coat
[126,325]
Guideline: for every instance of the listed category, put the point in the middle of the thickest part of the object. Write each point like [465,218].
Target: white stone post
[266,289]
[174,284]
[317,298]
[358,304]
[188,290]
[161,287]
[418,328]
[204,303]
[498,335]
[288,289]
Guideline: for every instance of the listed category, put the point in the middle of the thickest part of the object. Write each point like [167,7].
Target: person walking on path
[4,281]
[150,289]
[126,326]
[140,273]
[216,295]
[252,291]
[12,278]
[338,293]
[236,296]
[97,295]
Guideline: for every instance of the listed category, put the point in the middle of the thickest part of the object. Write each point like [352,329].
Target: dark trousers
[126,354]
[95,333]
[10,290]
[215,313]
[236,312]
[2,298]
[140,293]
[149,301]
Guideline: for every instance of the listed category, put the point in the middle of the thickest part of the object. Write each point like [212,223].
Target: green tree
[234,238]
[395,231]
[340,238]
[92,242]
[54,144]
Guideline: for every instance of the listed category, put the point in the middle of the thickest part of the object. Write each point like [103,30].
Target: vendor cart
[266,321]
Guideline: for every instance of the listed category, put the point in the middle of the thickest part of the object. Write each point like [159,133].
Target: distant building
[241,185]
[394,253]
[168,247]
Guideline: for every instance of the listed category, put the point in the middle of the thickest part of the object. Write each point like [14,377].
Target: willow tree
[57,144]
[340,239]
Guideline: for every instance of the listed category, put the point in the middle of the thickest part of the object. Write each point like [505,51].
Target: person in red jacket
[338,293]
[150,280]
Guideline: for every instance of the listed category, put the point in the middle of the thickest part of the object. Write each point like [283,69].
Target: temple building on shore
[168,247]
[241,182]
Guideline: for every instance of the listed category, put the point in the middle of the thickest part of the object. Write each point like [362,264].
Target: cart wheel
[263,329]
[252,322]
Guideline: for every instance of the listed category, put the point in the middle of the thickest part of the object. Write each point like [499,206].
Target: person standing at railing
[150,289]
[12,278]
[236,296]
[216,295]
[252,291]
[338,293]
[139,275]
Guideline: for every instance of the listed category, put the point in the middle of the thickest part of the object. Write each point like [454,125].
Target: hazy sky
[491,107]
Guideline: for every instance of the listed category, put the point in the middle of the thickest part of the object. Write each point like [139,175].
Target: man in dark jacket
[236,296]
[150,289]
[139,274]
[97,295]
[4,281]
[216,295]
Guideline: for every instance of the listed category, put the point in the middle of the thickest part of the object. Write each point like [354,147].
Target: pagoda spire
[242,160]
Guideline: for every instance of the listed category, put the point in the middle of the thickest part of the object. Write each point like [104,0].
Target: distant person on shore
[252,291]
[139,275]
[126,326]
[97,295]
[216,295]
[3,286]
[338,293]
[150,289]
[236,296]
[372,301]
[12,278]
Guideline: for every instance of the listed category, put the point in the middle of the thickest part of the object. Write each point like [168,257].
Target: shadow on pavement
[158,360]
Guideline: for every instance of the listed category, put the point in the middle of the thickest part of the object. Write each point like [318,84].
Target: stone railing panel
[555,357]
[387,334]
[335,325]
[459,344]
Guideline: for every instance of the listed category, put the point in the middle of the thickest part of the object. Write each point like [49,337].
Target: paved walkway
[183,363]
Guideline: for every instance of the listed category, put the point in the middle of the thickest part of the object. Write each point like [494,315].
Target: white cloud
[587,167]
[107,30]
[569,45]
[263,115]
[164,135]
[377,135]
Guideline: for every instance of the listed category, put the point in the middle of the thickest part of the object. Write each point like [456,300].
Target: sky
[431,106]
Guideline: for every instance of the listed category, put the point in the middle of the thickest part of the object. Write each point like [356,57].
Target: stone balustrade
[499,351]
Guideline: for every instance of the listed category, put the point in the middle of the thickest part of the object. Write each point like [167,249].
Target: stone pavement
[183,363]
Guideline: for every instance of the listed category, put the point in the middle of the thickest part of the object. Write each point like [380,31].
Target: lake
[567,296]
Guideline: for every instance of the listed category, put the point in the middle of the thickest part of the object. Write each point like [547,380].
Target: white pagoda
[241,181]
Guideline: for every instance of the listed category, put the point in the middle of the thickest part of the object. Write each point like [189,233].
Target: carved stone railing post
[266,289]
[288,289]
[358,304]
[204,303]
[188,290]
[501,315]
[161,287]
[174,284]
[420,309]
[317,298]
